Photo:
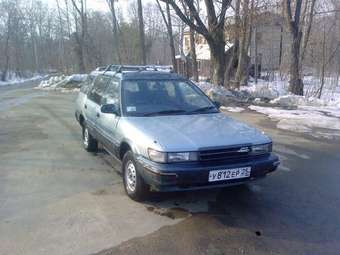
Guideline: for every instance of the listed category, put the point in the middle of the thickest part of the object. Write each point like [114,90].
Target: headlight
[168,157]
[182,156]
[261,149]
[157,156]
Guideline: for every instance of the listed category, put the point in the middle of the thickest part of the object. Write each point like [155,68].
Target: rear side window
[97,92]
[111,95]
[87,85]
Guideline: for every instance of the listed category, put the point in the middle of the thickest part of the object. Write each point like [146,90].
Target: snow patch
[64,83]
[20,80]
[294,100]
[263,89]
[232,109]
[222,94]
[302,121]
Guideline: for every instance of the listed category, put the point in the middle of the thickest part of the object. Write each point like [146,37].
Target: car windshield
[163,97]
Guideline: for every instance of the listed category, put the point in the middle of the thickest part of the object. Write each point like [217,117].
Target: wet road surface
[57,199]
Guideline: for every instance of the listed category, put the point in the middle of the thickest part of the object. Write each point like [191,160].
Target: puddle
[210,202]
[100,192]
[172,213]
[285,150]
[284,168]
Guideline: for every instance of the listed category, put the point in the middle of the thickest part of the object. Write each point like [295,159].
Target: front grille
[236,152]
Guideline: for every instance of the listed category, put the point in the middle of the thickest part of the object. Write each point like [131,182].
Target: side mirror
[217,104]
[109,108]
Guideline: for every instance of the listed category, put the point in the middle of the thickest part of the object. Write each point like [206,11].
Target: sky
[99,5]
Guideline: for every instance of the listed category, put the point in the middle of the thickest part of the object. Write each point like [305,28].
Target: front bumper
[194,175]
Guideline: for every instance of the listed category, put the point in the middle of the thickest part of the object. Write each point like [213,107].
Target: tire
[134,185]
[90,144]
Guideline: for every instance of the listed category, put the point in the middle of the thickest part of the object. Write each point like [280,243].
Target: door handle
[85,106]
[98,115]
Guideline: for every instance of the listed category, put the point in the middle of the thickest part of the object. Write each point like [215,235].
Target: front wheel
[134,185]
[90,144]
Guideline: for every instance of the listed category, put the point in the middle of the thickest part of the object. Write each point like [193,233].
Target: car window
[190,95]
[98,89]
[87,85]
[111,95]
[152,97]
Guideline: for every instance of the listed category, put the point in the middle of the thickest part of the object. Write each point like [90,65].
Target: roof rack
[136,68]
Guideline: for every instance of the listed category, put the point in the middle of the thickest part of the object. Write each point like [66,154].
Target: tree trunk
[171,39]
[80,48]
[323,64]
[295,82]
[256,55]
[193,52]
[116,44]
[293,25]
[306,34]
[4,73]
[80,53]
[218,63]
[233,59]
[61,39]
[243,49]
[141,33]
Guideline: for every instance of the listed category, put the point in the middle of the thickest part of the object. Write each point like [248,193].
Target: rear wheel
[90,144]
[134,185]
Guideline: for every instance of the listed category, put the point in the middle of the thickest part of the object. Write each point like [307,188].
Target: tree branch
[76,7]
[163,15]
[200,28]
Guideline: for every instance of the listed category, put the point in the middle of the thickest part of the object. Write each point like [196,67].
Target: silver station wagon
[167,134]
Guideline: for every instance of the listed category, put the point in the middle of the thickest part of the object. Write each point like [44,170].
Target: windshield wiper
[165,112]
[203,109]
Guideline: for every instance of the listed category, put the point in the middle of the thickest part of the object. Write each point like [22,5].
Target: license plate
[229,174]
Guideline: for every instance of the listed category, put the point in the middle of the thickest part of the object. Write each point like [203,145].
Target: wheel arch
[123,148]
[81,119]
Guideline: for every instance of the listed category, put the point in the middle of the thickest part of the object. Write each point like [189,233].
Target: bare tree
[80,40]
[308,16]
[116,47]
[168,24]
[141,32]
[298,35]
[233,59]
[213,32]
[61,37]
[193,51]
[193,55]
[7,36]
[245,36]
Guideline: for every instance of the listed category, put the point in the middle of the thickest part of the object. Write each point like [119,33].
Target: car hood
[194,132]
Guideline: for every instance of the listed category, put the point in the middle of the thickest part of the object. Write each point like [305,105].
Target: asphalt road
[55,198]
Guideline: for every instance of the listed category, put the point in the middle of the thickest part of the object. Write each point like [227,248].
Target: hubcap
[130,176]
[86,137]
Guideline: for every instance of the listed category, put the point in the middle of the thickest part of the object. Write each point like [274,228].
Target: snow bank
[20,80]
[300,120]
[303,114]
[294,100]
[64,83]
[222,94]
[232,109]
[264,89]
